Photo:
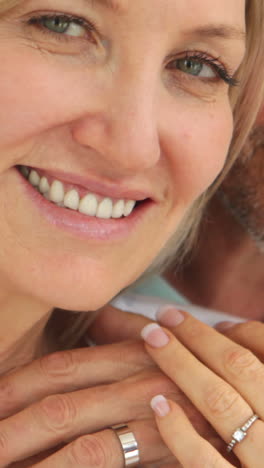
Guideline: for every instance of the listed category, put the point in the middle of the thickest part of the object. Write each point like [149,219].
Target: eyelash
[202,57]
[38,20]
[214,63]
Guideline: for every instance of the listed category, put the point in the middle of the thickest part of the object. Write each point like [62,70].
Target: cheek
[202,151]
[32,93]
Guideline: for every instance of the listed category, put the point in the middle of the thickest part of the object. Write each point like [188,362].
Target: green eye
[57,25]
[61,25]
[192,67]
[202,66]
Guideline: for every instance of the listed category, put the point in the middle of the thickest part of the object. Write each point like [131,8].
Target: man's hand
[68,399]
[248,334]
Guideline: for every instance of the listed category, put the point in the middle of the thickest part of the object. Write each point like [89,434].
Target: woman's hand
[225,381]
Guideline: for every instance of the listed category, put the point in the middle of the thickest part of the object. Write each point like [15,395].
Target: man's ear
[113,325]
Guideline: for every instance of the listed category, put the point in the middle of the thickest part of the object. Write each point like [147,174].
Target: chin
[70,281]
[89,302]
[82,296]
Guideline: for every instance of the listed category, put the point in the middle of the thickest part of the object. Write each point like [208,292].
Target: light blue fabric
[156,286]
[147,297]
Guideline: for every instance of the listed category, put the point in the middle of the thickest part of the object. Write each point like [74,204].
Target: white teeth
[89,205]
[56,193]
[72,200]
[129,206]
[118,209]
[105,209]
[34,178]
[44,185]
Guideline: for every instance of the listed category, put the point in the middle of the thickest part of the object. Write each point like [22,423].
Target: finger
[153,451]
[67,371]
[146,430]
[61,418]
[248,334]
[105,450]
[237,365]
[218,401]
[100,450]
[114,325]
[182,439]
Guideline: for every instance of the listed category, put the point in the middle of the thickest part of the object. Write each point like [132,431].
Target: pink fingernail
[170,316]
[160,405]
[155,336]
[222,326]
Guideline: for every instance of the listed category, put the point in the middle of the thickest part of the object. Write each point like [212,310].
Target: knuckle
[148,384]
[159,383]
[221,400]
[89,451]
[56,412]
[8,397]
[245,329]
[242,364]
[4,450]
[140,388]
[59,364]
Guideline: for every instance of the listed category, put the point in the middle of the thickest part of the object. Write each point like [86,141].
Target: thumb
[114,325]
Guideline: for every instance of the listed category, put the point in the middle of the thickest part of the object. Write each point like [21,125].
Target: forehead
[215,9]
[224,18]
[187,19]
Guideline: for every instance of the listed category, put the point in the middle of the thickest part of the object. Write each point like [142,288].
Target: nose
[122,128]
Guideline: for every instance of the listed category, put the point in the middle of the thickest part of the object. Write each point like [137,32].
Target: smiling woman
[119,122]
[111,128]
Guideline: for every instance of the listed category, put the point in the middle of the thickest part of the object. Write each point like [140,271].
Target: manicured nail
[222,326]
[155,336]
[170,316]
[160,405]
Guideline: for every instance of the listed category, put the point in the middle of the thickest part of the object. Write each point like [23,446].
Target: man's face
[244,188]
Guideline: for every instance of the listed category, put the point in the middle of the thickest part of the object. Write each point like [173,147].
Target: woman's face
[122,100]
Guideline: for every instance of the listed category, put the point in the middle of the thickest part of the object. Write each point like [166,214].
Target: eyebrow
[113,5]
[222,31]
[208,31]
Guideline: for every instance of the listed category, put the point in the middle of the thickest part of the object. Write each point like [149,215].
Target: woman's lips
[83,225]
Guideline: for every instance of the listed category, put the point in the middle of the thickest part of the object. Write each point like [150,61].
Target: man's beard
[243,190]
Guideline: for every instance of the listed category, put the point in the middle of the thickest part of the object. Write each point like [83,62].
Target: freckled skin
[114,112]
[229,256]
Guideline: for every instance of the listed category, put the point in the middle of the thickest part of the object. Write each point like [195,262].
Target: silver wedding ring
[241,432]
[128,443]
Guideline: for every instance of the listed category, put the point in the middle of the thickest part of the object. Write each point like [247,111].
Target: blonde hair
[245,101]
